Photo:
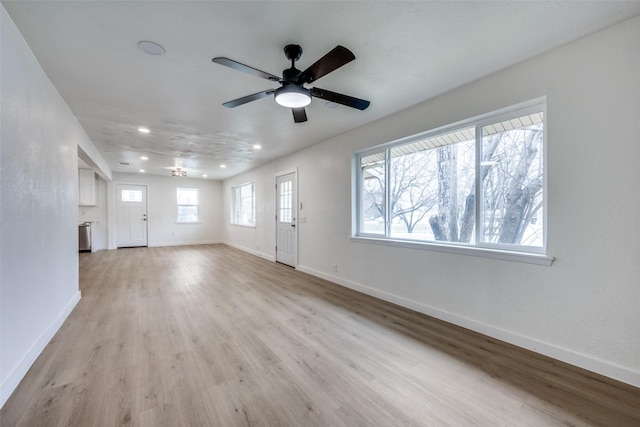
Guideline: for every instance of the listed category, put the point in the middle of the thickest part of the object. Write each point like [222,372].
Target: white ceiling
[406,52]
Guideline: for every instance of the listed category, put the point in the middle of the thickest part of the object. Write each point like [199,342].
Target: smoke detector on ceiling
[152,48]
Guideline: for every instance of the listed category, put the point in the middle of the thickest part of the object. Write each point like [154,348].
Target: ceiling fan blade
[339,98]
[248,98]
[245,68]
[333,60]
[299,115]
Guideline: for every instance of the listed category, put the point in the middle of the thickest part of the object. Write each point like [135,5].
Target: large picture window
[243,205]
[479,184]
[187,205]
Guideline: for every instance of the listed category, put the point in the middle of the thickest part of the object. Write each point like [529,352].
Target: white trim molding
[13,379]
[602,367]
[251,251]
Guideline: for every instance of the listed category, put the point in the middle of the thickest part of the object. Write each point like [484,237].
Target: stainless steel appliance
[84,237]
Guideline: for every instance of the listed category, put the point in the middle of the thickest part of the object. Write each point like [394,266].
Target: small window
[373,193]
[243,205]
[286,202]
[134,196]
[187,204]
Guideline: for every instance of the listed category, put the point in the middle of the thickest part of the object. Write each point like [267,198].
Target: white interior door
[286,239]
[131,215]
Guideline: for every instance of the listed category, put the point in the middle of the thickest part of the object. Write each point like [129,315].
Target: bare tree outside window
[432,186]
[373,194]
[512,187]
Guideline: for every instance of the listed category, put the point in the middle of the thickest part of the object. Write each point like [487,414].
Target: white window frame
[237,212]
[180,205]
[521,253]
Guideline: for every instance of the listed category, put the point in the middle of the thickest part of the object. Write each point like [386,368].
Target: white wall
[583,309]
[162,210]
[259,240]
[38,207]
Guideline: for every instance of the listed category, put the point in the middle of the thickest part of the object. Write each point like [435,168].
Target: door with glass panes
[131,215]
[286,239]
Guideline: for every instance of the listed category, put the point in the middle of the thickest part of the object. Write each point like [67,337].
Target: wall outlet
[335,268]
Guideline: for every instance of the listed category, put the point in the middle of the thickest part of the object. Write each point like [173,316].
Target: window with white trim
[479,183]
[243,205]
[188,203]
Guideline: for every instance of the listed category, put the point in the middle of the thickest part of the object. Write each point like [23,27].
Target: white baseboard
[164,244]
[204,242]
[251,251]
[14,378]
[619,373]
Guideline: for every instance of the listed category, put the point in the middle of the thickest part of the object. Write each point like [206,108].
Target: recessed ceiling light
[205,176]
[143,130]
[257,146]
[151,48]
[331,105]
[223,166]
[144,158]
[141,171]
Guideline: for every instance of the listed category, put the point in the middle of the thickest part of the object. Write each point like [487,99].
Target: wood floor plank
[211,336]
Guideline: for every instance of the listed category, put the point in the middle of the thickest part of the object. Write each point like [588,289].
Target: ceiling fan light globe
[292,96]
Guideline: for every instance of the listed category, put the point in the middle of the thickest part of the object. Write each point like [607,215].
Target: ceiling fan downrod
[293,52]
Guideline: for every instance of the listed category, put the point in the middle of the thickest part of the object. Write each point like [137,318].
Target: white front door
[131,215]
[286,239]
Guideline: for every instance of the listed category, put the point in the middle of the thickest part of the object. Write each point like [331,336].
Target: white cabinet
[87,187]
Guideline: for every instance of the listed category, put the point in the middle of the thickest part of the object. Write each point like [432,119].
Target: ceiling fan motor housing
[290,75]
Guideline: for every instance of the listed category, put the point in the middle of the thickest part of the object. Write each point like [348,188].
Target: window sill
[242,225]
[187,222]
[529,258]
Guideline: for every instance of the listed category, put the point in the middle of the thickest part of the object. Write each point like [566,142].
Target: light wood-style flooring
[211,336]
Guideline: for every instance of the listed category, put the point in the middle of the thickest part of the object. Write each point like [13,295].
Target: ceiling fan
[292,94]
